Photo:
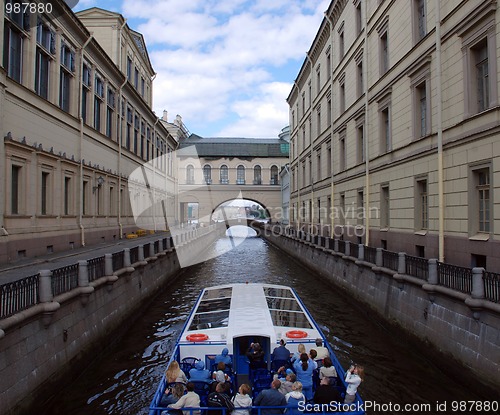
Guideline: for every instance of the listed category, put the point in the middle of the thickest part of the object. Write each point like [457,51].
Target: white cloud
[221,59]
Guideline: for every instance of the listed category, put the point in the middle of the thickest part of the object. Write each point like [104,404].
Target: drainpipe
[332,185]
[80,110]
[296,147]
[311,214]
[366,129]
[154,179]
[439,131]
[119,133]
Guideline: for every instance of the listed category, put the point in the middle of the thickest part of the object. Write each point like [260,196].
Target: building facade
[394,128]
[213,171]
[76,117]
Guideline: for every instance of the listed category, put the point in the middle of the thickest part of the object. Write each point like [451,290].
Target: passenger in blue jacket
[281,352]
[200,373]
[304,370]
[271,397]
[224,357]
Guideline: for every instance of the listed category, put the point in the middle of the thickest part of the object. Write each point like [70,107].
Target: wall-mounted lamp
[100,182]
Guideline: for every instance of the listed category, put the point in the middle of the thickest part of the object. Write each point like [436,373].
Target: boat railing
[355,408]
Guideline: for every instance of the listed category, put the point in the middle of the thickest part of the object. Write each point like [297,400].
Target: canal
[123,379]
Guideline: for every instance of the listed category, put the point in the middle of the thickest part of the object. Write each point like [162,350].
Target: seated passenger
[190,400]
[287,382]
[220,375]
[242,400]
[172,394]
[327,370]
[321,350]
[281,352]
[300,349]
[271,397]
[313,358]
[174,373]
[224,357]
[294,398]
[219,399]
[200,373]
[326,393]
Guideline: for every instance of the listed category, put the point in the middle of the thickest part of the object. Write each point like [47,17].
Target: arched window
[189,174]
[275,178]
[224,175]
[240,174]
[207,174]
[257,175]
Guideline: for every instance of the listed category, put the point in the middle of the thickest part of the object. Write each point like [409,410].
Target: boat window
[283,304]
[214,305]
[278,292]
[213,320]
[290,319]
[217,293]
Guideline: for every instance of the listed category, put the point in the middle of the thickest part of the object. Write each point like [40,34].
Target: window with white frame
[66,75]
[359,21]
[44,55]
[384,206]
[342,212]
[16,29]
[421,204]
[86,85]
[383,34]
[480,199]
[342,93]
[480,66]
[360,141]
[68,196]
[15,189]
[240,174]
[318,117]
[224,174]
[274,175]
[110,110]
[384,117]
[189,174]
[342,150]
[341,41]
[98,101]
[360,214]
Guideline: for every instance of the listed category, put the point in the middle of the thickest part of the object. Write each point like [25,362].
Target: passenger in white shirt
[321,350]
[353,377]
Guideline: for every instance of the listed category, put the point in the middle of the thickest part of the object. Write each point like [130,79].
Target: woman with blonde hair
[353,377]
[174,373]
[294,398]
[300,349]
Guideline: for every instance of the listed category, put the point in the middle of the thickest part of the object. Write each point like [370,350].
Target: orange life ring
[296,334]
[197,337]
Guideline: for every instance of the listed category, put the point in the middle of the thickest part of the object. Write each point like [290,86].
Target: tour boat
[234,316]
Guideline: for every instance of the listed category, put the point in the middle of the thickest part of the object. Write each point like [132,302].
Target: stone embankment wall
[45,343]
[456,323]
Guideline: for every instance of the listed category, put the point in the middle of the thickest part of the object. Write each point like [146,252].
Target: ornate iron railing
[19,295]
[96,268]
[64,279]
[491,282]
[341,246]
[455,277]
[146,250]
[417,267]
[390,260]
[354,248]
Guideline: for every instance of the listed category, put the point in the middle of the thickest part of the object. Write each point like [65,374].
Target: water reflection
[123,381]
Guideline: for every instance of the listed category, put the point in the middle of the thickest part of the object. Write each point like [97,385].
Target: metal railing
[417,267]
[146,249]
[19,295]
[341,246]
[64,279]
[455,277]
[134,254]
[118,260]
[370,254]
[491,286]
[354,250]
[390,260]
[96,268]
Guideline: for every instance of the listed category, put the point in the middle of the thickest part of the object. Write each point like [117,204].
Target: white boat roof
[225,312]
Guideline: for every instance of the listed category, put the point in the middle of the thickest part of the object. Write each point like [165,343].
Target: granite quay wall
[455,309]
[54,322]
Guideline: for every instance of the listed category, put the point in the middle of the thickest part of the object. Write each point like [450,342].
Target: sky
[226,66]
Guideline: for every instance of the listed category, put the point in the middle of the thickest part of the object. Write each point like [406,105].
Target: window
[45,40]
[67,71]
[189,174]
[129,68]
[13,52]
[112,202]
[207,174]
[342,209]
[143,83]
[318,79]
[359,21]
[421,205]
[341,41]
[98,101]
[44,193]
[359,72]
[136,135]
[329,111]
[304,179]
[480,200]
[329,160]
[480,68]
[257,176]
[419,20]
[385,129]
[328,65]
[128,133]
[384,206]
[382,30]
[110,108]
[224,175]
[85,199]
[318,117]
[360,133]
[136,78]
[86,84]
[303,138]
[361,208]
[67,195]
[240,174]
[421,109]
[342,151]
[480,53]
[274,175]
[15,200]
[303,103]
[318,165]
[342,94]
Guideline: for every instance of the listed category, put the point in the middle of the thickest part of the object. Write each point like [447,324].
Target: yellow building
[75,114]
[394,128]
